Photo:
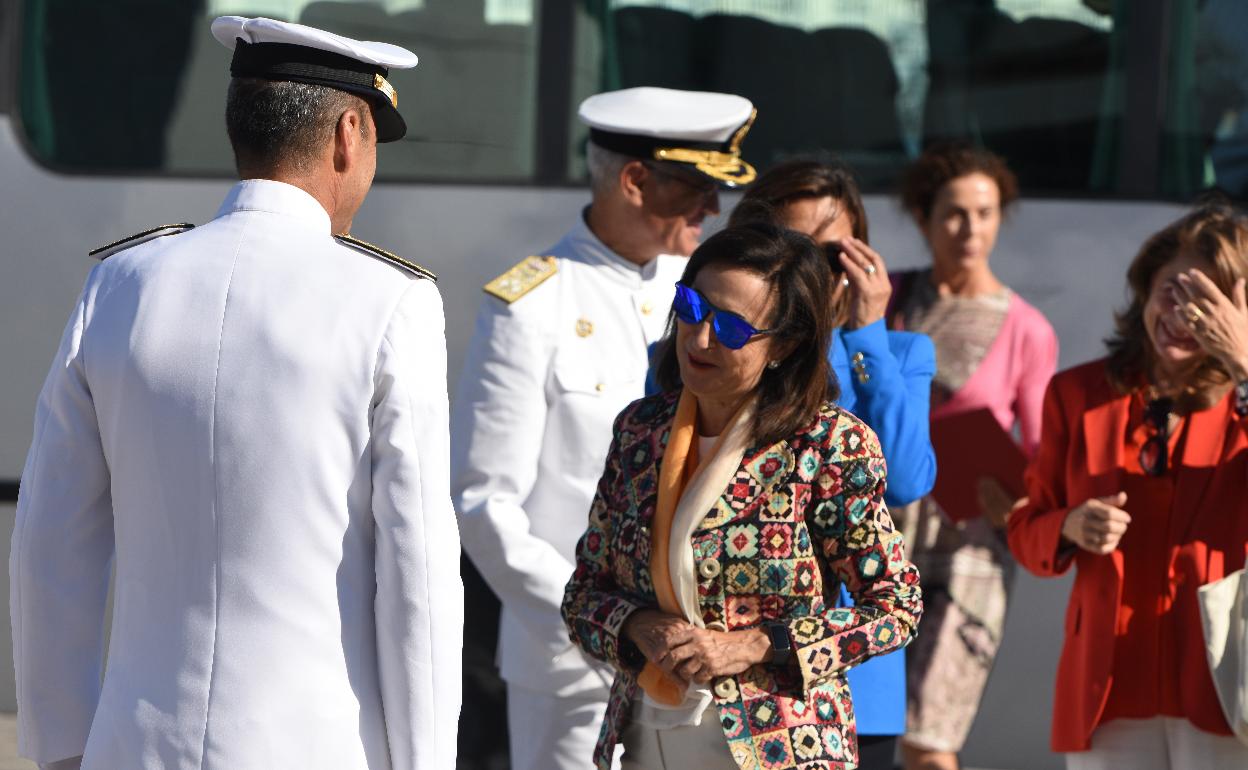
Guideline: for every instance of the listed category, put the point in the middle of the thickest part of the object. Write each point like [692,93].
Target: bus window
[1220,71]
[101,93]
[847,77]
[874,81]
[1068,90]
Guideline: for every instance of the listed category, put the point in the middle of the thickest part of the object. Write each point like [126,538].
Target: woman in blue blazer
[885,378]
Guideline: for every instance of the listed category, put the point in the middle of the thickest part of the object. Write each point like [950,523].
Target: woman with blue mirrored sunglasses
[730,411]
[731,330]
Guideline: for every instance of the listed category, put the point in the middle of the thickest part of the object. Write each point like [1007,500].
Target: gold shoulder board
[388,256]
[522,278]
[129,242]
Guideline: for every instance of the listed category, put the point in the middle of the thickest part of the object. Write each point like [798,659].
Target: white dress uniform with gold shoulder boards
[251,416]
[560,347]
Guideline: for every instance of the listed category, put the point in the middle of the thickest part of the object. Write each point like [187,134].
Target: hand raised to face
[1217,321]
[869,286]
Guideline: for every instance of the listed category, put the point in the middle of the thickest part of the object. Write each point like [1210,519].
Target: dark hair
[795,180]
[805,179]
[274,123]
[790,395]
[944,162]
[1217,235]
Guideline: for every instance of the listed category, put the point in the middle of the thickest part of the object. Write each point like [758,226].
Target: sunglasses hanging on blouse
[1155,453]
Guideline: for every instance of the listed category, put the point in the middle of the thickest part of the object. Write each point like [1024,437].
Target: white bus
[1113,114]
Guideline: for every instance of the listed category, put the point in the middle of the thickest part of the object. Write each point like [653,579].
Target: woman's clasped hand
[1097,524]
[694,654]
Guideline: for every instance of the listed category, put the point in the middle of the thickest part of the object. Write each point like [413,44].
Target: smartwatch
[781,646]
[1241,398]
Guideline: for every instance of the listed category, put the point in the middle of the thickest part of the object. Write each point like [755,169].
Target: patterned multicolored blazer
[800,518]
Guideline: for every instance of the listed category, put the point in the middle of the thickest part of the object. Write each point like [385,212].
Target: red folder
[970,445]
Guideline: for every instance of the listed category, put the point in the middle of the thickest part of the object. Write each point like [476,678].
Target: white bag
[1224,620]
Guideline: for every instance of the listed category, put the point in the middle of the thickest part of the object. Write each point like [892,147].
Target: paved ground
[8,745]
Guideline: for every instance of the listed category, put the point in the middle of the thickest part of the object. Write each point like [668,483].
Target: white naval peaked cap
[282,50]
[699,128]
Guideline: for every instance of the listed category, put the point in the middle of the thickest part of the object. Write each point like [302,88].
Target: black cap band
[636,146]
[285,61]
[301,64]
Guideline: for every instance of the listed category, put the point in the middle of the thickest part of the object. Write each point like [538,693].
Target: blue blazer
[886,381]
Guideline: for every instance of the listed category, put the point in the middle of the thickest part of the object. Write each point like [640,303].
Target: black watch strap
[781,644]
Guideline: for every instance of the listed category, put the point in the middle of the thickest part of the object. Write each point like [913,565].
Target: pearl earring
[773,364]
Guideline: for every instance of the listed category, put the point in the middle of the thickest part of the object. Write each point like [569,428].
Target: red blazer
[1082,454]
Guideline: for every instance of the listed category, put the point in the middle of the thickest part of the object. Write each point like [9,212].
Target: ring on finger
[870,269]
[1194,313]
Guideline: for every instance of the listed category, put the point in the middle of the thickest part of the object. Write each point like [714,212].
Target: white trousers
[546,732]
[679,748]
[1160,743]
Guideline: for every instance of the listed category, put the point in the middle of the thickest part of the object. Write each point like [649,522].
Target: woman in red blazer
[1141,482]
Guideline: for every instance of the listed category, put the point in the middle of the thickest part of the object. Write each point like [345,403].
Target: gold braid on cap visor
[727,167]
[383,85]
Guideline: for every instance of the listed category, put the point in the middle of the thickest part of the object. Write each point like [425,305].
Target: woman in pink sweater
[994,351]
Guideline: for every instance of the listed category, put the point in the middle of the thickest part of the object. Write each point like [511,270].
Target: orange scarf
[680,461]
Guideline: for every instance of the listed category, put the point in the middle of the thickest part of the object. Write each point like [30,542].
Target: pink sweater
[1013,375]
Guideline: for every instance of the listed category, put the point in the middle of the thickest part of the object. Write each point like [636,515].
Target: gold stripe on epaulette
[388,256]
[522,278]
[180,227]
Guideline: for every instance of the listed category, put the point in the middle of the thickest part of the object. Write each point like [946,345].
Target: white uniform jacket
[543,380]
[254,417]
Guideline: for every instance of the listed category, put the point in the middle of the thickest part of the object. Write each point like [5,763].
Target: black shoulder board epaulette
[390,257]
[129,242]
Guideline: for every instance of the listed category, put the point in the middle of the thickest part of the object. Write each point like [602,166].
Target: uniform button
[857,359]
[600,387]
[647,308]
[716,625]
[708,568]
[863,377]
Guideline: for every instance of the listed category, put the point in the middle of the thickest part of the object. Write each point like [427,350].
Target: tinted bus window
[139,85]
[1217,82]
[1082,96]
[1075,93]
[875,80]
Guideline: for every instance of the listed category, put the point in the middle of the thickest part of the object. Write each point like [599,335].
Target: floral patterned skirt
[966,571]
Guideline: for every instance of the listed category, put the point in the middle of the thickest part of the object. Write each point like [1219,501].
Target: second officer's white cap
[702,129]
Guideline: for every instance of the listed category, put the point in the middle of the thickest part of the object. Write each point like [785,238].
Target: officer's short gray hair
[604,167]
[280,123]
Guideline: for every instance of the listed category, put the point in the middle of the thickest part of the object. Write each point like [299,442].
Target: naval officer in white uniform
[560,347]
[252,414]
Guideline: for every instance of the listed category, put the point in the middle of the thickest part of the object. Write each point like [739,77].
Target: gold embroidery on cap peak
[383,85]
[735,145]
[522,278]
[725,166]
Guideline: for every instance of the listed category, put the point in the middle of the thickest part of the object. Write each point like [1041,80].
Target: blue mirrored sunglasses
[731,330]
